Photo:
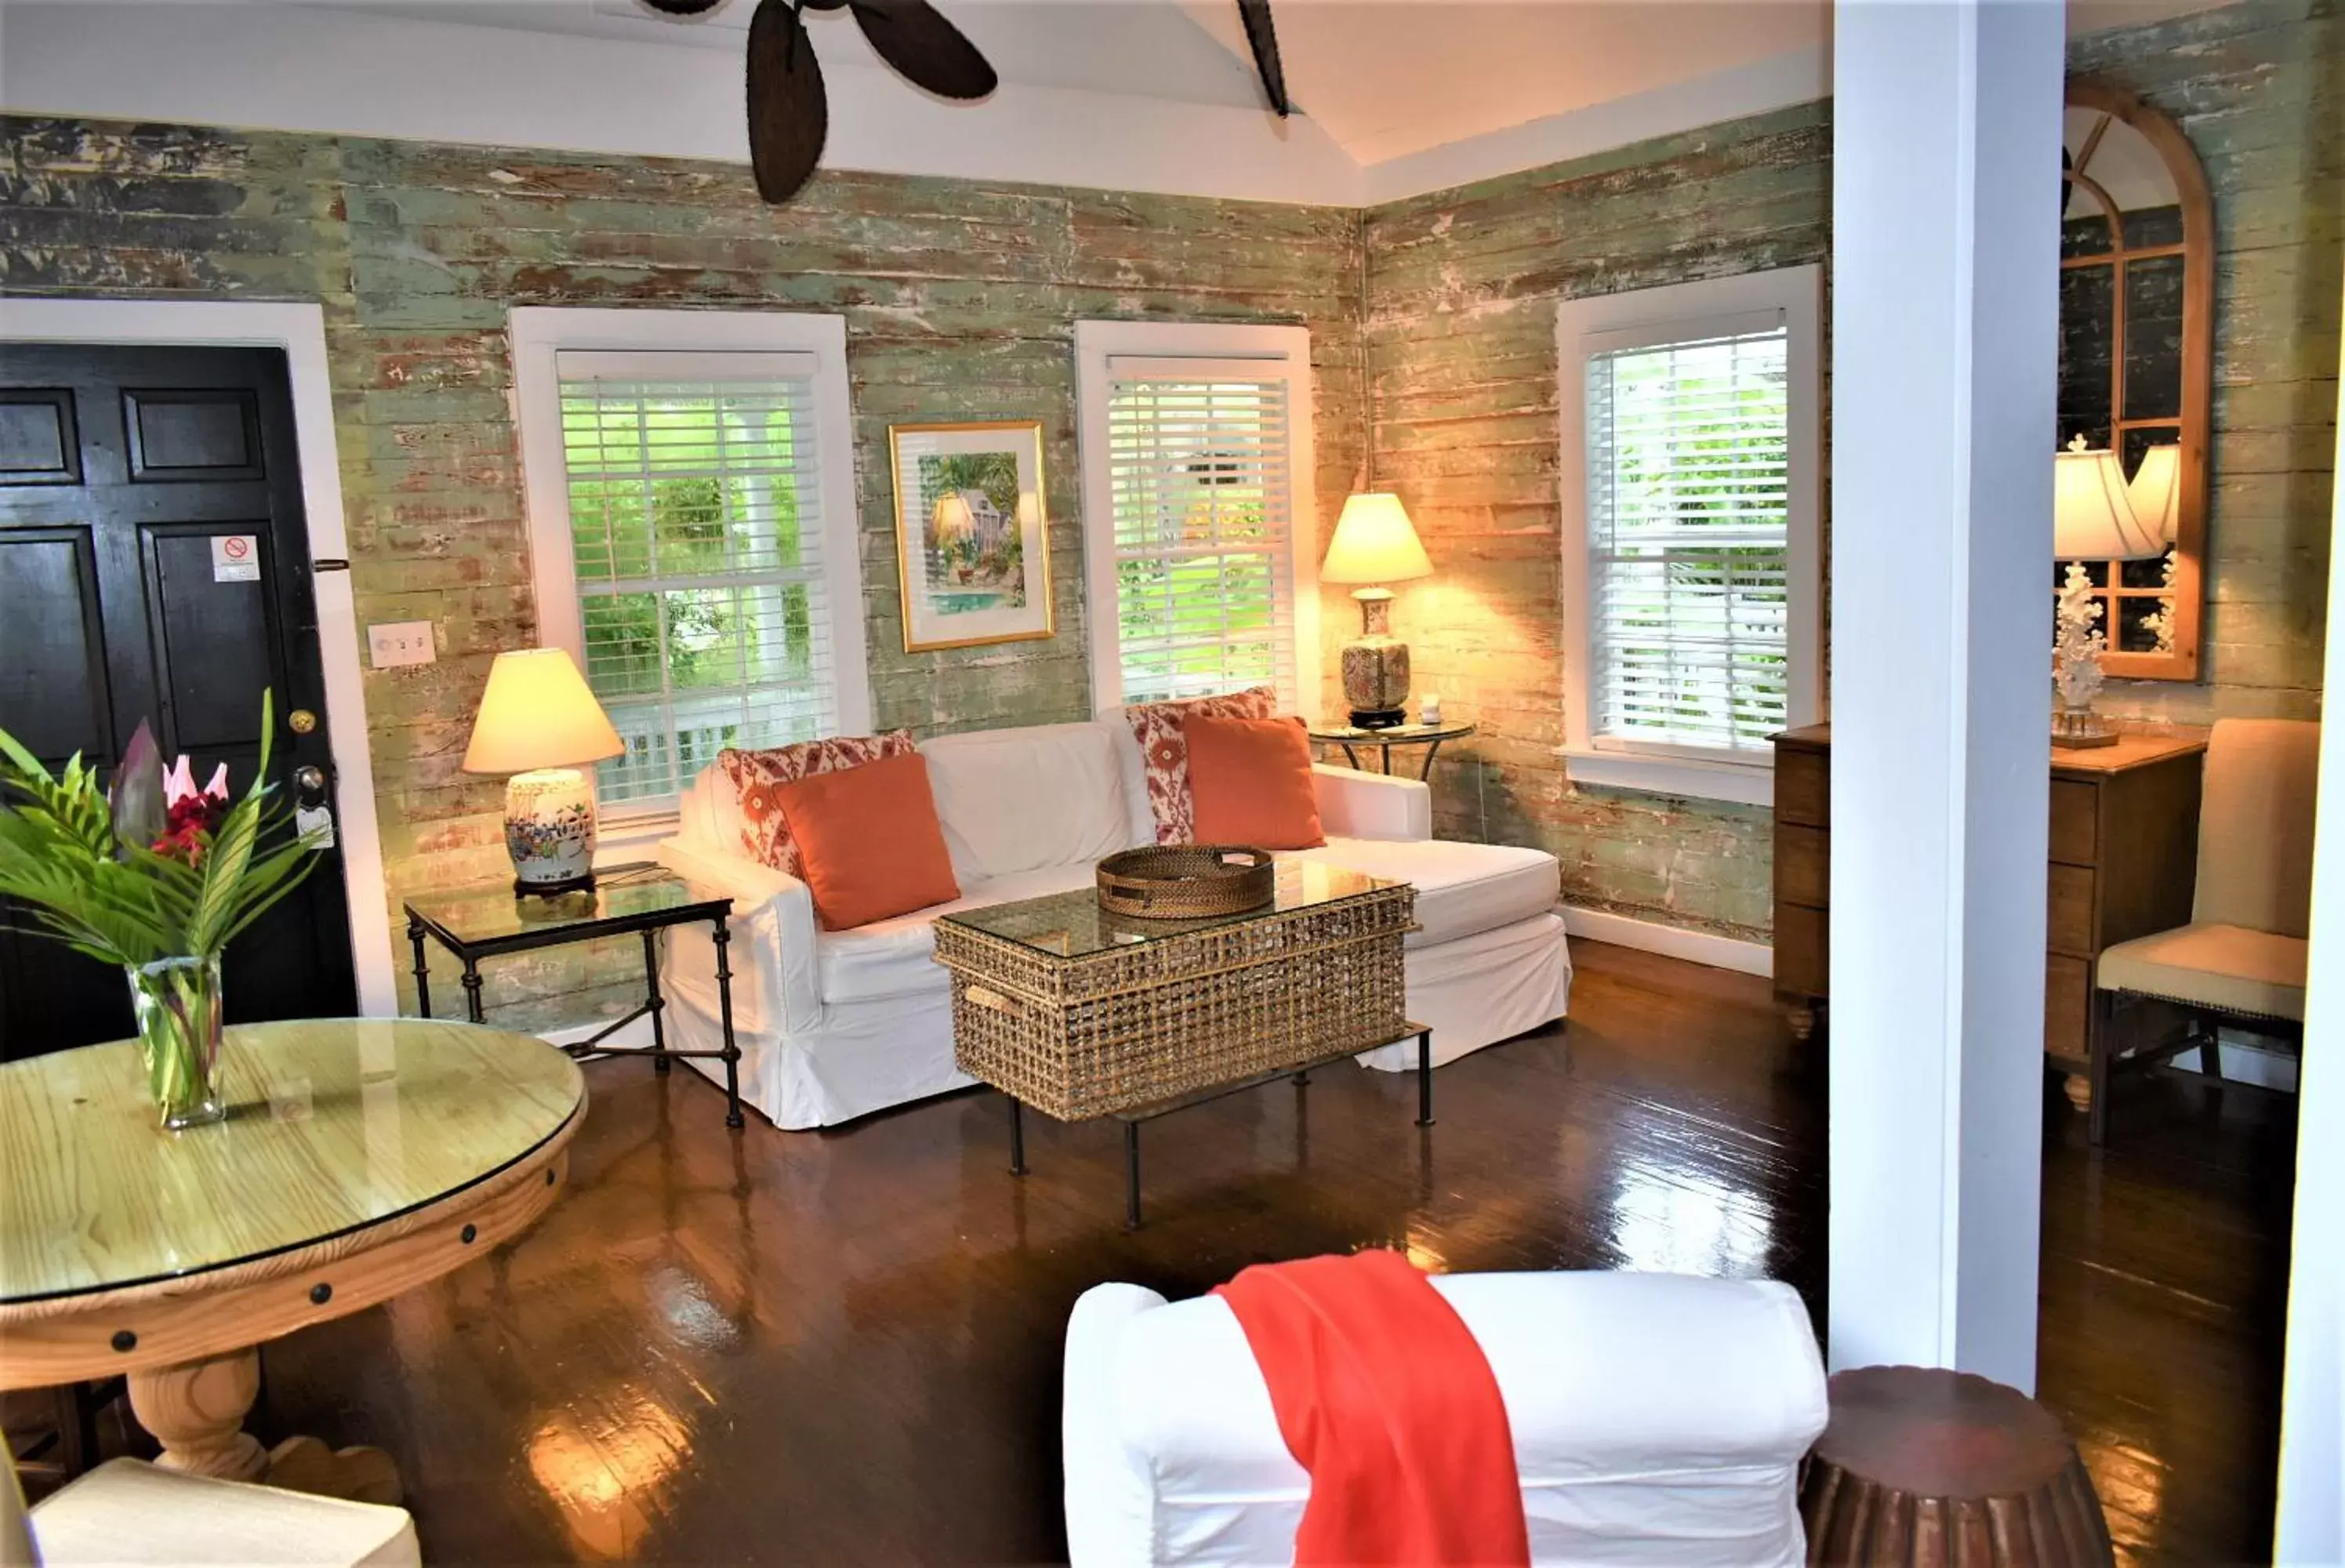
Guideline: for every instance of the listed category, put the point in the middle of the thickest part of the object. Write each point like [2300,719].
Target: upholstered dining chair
[2241,959]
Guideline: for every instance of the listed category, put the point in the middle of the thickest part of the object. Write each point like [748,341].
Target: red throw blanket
[1382,1395]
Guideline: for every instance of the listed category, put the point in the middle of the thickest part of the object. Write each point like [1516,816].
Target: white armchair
[1656,1419]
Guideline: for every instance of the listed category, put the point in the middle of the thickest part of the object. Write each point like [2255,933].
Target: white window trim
[1286,350]
[1612,321]
[538,333]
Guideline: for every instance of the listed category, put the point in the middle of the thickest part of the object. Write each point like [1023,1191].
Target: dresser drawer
[1804,787]
[1802,950]
[2068,927]
[2067,1005]
[1802,866]
[2075,821]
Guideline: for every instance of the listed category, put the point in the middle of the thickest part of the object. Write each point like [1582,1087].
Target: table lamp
[2092,519]
[1375,544]
[2157,492]
[539,722]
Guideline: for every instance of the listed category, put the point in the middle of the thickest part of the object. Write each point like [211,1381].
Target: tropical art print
[972,543]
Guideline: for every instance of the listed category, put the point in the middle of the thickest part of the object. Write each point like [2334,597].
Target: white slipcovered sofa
[835,1025]
[1656,1419]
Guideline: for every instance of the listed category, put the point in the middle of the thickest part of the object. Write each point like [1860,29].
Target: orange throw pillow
[1251,782]
[869,842]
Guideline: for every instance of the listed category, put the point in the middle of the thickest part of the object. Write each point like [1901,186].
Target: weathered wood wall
[959,299]
[1432,333]
[2260,89]
[1460,338]
[1461,294]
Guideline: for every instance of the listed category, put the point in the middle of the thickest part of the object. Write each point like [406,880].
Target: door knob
[309,786]
[302,720]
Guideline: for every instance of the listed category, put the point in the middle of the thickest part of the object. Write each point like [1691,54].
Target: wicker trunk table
[1080,1012]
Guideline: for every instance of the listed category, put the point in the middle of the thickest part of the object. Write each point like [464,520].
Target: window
[1689,463]
[693,531]
[1199,530]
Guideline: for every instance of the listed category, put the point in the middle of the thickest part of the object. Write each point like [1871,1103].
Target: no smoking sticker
[236,558]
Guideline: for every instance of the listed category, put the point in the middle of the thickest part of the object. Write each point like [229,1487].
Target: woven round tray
[1175,880]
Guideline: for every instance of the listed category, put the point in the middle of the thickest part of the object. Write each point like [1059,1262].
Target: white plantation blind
[1201,492]
[1689,542]
[697,534]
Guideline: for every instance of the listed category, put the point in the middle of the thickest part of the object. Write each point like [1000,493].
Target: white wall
[2311,1521]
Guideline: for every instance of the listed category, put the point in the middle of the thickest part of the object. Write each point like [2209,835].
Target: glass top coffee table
[1080,1012]
[477,922]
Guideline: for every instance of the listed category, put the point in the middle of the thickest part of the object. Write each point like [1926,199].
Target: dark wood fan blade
[1263,37]
[789,114]
[929,51]
[682,7]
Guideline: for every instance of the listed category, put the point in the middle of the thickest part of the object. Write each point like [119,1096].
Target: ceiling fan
[789,112]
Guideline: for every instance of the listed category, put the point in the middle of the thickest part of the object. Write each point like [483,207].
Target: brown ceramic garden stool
[1939,1469]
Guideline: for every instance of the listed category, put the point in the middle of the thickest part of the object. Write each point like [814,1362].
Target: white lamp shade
[1374,542]
[538,713]
[2157,492]
[2092,513]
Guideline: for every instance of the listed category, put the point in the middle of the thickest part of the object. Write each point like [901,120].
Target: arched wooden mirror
[2137,358]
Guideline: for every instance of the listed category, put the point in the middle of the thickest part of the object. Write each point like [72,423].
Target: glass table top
[333,1125]
[496,913]
[1071,925]
[1394,734]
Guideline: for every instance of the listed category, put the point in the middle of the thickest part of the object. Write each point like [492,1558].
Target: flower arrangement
[157,876]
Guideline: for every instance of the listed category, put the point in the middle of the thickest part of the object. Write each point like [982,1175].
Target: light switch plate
[393,642]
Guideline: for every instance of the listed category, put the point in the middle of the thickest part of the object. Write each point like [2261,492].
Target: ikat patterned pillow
[755,775]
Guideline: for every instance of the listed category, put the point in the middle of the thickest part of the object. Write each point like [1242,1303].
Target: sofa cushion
[1249,783]
[869,841]
[1017,800]
[765,834]
[894,958]
[2230,968]
[1164,752]
[1462,889]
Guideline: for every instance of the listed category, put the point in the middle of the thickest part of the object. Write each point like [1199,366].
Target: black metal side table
[480,922]
[1429,737]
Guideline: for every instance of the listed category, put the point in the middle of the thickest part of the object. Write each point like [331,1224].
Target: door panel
[51,648]
[213,637]
[119,469]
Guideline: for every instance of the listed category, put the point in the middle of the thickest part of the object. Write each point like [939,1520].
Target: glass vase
[177,1001]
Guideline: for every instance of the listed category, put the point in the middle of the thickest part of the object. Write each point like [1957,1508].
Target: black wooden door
[154,563]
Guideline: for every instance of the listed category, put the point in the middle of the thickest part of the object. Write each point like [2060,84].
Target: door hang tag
[236,558]
[314,825]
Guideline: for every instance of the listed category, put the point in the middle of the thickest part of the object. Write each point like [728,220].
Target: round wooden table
[359,1158]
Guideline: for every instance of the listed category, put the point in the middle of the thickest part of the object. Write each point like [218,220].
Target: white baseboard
[1674,941]
[636,1033]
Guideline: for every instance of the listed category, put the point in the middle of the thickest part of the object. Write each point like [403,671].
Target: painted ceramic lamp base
[195,1409]
[549,830]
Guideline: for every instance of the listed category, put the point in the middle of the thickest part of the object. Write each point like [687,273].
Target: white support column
[2310,1524]
[1945,203]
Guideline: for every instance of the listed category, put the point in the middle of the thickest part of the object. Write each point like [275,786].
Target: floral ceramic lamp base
[549,830]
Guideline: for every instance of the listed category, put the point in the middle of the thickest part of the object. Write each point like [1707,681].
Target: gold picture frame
[972,533]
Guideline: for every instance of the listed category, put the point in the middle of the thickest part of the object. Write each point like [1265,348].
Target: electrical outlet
[401,643]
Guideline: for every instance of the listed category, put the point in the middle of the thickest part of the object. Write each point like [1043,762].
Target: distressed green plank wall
[959,299]
[1460,339]
[1433,323]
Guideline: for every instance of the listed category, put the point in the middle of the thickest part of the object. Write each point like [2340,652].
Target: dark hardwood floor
[844,1347]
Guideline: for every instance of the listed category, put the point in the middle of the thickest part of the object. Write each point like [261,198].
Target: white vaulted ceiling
[1392,97]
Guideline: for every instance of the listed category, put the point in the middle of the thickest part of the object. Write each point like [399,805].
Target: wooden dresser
[2124,854]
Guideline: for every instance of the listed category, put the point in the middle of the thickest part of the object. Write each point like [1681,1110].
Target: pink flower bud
[179,784]
[218,787]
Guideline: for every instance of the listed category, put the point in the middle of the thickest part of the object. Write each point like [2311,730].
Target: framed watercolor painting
[972,541]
